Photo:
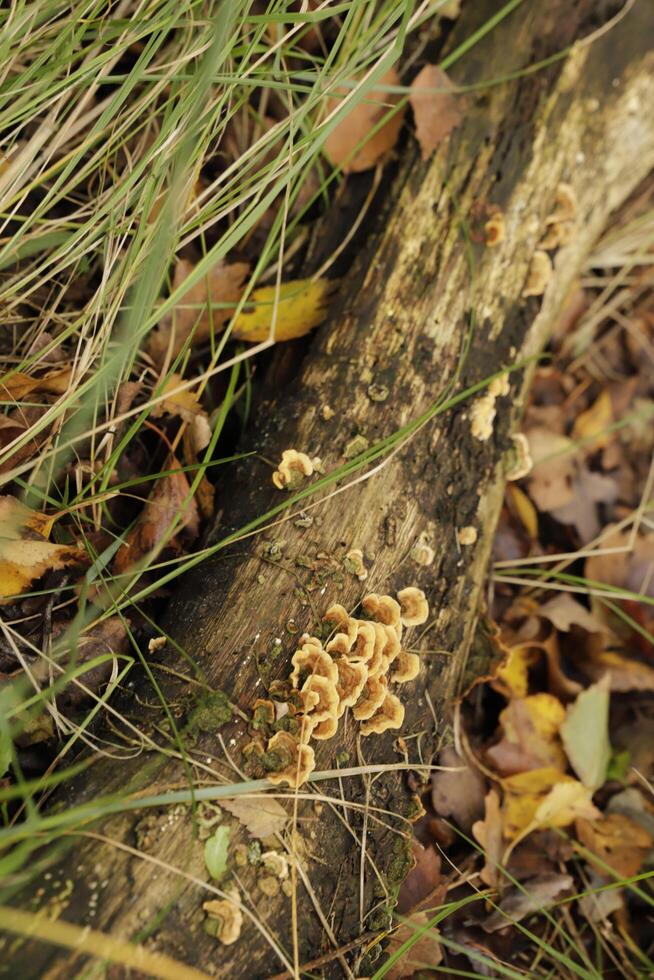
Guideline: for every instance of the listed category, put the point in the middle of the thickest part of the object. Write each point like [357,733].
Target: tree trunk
[428,313]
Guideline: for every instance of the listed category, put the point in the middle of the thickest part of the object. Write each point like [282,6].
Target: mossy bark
[422,295]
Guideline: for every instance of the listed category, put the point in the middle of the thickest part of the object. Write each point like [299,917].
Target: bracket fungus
[353,670]
[292,469]
[224,917]
[414,606]
[296,760]
[540,272]
[407,667]
[311,660]
[390,714]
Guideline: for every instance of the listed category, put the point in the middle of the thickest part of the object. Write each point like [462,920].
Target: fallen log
[399,374]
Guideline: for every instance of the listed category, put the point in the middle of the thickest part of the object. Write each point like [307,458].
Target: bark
[425,313]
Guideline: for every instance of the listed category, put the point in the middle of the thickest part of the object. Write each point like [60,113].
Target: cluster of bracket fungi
[352,670]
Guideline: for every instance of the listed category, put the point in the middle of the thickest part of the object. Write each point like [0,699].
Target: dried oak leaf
[435,109]
[167,501]
[424,950]
[204,307]
[360,138]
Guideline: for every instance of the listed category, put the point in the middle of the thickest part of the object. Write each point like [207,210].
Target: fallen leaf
[523,793]
[435,109]
[459,795]
[25,554]
[632,804]
[15,424]
[564,611]
[421,881]
[585,734]
[301,306]
[532,896]
[512,676]
[550,480]
[616,841]
[598,905]
[565,803]
[488,832]
[216,851]
[423,952]
[624,673]
[167,501]
[361,125]
[206,306]
[261,818]
[18,385]
[593,423]
[588,489]
[524,509]
[107,638]
[186,405]
[531,736]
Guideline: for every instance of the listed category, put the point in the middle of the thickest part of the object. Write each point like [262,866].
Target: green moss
[400,864]
[211,712]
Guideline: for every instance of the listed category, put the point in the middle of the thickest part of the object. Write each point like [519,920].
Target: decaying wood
[405,317]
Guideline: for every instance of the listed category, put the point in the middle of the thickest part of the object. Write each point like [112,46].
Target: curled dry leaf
[488,832]
[435,109]
[18,385]
[186,405]
[532,896]
[25,554]
[594,422]
[167,501]
[363,125]
[542,798]
[106,639]
[550,480]
[204,307]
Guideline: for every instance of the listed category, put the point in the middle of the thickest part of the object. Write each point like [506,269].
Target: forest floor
[181,194]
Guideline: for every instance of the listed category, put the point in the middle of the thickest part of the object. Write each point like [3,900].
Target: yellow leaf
[593,423]
[512,678]
[525,510]
[302,306]
[15,517]
[565,803]
[22,562]
[523,794]
[531,735]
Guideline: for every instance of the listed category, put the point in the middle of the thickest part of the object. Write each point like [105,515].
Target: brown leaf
[564,611]
[186,405]
[208,304]
[459,795]
[435,109]
[262,818]
[588,488]
[421,880]
[617,841]
[488,832]
[425,952]
[534,895]
[19,385]
[358,125]
[108,637]
[165,503]
[550,481]
[14,425]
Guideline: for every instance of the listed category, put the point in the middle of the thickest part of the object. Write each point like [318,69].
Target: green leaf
[216,849]
[585,734]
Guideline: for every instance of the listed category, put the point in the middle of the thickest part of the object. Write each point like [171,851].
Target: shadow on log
[424,315]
